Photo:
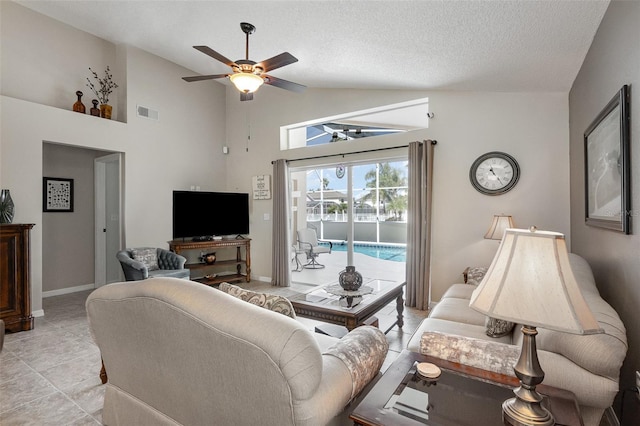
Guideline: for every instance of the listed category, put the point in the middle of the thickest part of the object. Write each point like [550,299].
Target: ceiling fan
[248,75]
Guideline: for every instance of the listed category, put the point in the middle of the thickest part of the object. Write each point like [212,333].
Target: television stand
[241,264]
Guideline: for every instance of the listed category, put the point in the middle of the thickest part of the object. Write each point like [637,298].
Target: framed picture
[607,166]
[57,194]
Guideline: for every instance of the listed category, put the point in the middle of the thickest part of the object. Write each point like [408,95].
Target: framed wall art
[607,166]
[57,194]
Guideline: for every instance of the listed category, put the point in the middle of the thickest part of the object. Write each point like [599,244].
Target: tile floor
[49,375]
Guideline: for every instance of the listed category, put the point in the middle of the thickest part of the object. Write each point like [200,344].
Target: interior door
[109,229]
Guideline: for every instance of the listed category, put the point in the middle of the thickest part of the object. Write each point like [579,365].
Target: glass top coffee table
[330,305]
[460,396]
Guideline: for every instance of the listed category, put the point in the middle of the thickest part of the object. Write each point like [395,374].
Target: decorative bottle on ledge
[79,106]
[350,279]
[6,207]
[95,111]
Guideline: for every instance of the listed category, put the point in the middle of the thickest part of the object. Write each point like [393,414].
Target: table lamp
[499,223]
[530,282]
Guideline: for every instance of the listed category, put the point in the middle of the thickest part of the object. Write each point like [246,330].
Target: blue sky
[359,172]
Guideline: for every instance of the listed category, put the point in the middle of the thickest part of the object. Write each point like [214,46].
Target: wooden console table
[239,262]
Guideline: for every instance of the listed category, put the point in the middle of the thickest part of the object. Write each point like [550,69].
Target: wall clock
[340,171]
[494,173]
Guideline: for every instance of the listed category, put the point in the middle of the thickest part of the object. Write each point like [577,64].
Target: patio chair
[309,244]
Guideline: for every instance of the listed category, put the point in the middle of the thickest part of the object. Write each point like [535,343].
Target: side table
[462,395]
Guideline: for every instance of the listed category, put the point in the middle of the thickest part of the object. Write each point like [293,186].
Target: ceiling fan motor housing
[246,65]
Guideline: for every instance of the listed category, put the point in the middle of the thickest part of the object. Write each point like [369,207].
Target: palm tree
[325,184]
[398,206]
[391,181]
[337,208]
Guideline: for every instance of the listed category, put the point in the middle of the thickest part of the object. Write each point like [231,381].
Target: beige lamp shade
[530,282]
[499,223]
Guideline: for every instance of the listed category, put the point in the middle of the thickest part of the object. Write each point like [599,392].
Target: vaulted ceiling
[483,45]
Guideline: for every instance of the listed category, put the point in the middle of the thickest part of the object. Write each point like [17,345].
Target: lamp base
[526,408]
[517,412]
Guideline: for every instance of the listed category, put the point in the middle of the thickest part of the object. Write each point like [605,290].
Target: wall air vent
[146,112]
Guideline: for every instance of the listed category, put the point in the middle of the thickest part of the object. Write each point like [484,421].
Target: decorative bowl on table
[209,258]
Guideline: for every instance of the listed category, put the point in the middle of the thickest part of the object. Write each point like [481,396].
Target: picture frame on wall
[57,195]
[607,166]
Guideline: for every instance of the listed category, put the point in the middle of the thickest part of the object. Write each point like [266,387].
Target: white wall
[46,62]
[183,148]
[533,127]
[613,60]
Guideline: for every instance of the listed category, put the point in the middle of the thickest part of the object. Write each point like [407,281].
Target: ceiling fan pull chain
[248,127]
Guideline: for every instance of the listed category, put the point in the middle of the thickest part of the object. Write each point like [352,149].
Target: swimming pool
[395,254]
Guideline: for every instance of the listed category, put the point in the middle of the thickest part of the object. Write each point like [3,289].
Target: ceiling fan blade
[204,77]
[283,84]
[215,55]
[246,96]
[277,61]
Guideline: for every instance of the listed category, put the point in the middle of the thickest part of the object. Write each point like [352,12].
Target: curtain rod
[433,142]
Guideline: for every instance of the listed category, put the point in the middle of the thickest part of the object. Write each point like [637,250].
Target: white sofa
[179,352]
[587,365]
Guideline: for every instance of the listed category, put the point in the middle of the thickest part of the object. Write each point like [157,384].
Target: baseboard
[68,290]
[38,313]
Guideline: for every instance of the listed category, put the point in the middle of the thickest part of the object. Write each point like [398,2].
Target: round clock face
[494,173]
[340,171]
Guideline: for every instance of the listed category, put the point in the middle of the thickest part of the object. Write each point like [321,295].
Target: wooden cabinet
[240,264]
[15,281]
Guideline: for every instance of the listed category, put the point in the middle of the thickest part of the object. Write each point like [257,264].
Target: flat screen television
[202,215]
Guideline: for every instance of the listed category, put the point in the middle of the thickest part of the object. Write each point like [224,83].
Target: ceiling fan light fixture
[246,82]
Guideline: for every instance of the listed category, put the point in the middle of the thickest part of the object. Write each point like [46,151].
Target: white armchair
[309,244]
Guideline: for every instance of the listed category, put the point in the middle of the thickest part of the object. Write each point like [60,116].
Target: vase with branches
[102,89]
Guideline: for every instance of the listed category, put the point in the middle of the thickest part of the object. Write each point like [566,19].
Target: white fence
[388,232]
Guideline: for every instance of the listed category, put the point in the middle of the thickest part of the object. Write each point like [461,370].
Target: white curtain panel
[419,224]
[281,240]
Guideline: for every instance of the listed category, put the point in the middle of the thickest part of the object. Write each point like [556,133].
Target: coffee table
[462,395]
[324,306]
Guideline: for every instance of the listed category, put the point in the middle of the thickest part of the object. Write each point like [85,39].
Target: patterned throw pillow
[268,301]
[148,256]
[473,275]
[497,328]
[484,354]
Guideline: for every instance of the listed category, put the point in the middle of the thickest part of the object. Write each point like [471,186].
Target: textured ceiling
[485,45]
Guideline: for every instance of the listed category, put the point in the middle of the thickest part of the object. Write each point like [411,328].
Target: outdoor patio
[336,261]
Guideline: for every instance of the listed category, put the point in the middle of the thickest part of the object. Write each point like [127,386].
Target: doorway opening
[75,268]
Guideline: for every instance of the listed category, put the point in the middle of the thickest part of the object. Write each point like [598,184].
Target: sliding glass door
[360,208]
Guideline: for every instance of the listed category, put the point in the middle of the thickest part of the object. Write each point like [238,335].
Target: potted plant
[102,89]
